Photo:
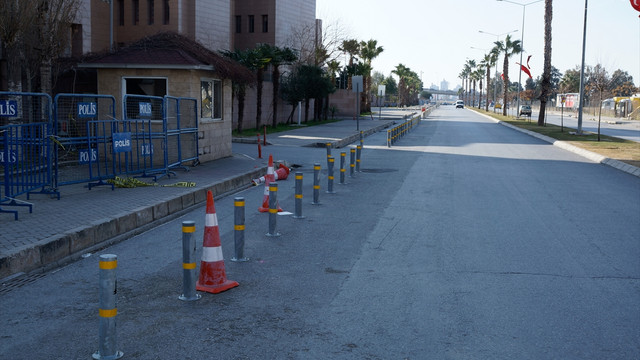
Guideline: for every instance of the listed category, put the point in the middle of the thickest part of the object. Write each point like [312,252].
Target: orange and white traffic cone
[270,177]
[212,278]
[281,174]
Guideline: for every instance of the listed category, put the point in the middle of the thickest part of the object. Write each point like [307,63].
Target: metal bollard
[238,227]
[328,145]
[342,169]
[273,209]
[316,184]
[358,154]
[108,309]
[330,176]
[352,164]
[298,212]
[388,138]
[188,262]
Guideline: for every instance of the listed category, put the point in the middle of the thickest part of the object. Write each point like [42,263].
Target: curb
[60,249]
[595,157]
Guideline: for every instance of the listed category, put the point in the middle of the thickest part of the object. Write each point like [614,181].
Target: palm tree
[509,48]
[245,58]
[479,75]
[487,62]
[333,66]
[403,73]
[368,51]
[545,84]
[464,75]
[351,47]
[473,76]
[279,56]
[469,67]
[261,60]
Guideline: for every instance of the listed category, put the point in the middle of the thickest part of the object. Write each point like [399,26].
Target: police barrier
[181,115]
[147,114]
[25,150]
[73,154]
[84,142]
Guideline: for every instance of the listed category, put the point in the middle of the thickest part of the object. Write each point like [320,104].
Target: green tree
[391,86]
[479,76]
[368,51]
[333,66]
[247,59]
[570,82]
[279,56]
[262,58]
[403,74]
[470,67]
[546,85]
[487,62]
[351,47]
[509,48]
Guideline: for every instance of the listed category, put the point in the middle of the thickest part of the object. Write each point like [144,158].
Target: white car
[460,104]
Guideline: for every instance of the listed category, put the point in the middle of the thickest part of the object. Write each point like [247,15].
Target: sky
[434,38]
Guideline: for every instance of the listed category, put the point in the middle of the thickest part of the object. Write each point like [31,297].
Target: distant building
[444,85]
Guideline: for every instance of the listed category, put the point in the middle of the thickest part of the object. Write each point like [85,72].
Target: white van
[460,104]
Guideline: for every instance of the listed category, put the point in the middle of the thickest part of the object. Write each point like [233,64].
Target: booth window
[211,99]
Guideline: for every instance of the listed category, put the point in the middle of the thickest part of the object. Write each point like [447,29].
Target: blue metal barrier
[181,116]
[25,150]
[149,110]
[83,142]
[72,113]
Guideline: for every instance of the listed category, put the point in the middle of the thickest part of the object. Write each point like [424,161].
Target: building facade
[109,25]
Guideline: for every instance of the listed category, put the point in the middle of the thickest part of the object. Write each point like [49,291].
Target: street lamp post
[495,79]
[584,44]
[524,6]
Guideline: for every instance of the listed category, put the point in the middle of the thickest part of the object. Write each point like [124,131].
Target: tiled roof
[171,50]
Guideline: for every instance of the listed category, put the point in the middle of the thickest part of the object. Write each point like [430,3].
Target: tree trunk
[486,104]
[505,75]
[276,88]
[242,92]
[546,75]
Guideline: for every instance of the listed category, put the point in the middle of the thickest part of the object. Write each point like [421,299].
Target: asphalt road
[616,127]
[465,240]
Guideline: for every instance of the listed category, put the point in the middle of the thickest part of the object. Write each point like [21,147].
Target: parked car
[460,104]
[498,106]
[525,110]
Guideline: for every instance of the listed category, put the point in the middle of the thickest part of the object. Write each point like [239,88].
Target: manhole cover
[377,171]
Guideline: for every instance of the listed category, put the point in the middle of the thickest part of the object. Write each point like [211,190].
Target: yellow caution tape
[133,182]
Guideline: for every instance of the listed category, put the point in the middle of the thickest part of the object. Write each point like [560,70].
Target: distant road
[616,127]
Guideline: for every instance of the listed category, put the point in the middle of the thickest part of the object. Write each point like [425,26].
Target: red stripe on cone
[213,277]
[269,178]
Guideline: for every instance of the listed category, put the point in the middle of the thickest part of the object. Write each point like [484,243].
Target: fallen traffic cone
[212,278]
[281,174]
[270,177]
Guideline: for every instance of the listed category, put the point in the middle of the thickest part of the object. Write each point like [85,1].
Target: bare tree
[34,34]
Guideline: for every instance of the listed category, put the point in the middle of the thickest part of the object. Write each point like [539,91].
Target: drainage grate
[19,281]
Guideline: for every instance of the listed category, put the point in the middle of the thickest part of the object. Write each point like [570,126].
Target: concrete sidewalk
[59,231]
